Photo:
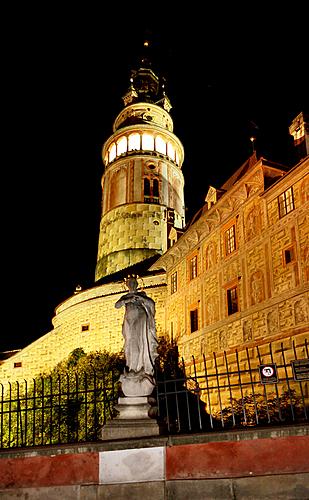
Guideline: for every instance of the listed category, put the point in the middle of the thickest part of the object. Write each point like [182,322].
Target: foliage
[69,404]
[167,363]
[257,409]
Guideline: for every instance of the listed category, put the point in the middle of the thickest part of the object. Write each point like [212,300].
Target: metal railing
[226,392]
[234,390]
[69,408]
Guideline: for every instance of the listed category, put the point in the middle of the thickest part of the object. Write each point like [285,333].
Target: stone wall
[130,234]
[88,320]
[257,464]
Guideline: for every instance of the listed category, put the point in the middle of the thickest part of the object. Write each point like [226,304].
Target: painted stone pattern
[269,268]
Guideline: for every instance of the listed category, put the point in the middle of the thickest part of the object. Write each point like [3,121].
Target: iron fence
[228,392]
[67,408]
[221,392]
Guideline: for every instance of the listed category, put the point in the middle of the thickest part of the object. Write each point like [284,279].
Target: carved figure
[210,256]
[257,287]
[300,311]
[272,322]
[138,329]
[247,330]
[253,223]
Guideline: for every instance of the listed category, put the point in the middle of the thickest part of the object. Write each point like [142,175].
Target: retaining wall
[257,464]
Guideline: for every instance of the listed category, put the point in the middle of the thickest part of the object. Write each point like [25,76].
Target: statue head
[131,283]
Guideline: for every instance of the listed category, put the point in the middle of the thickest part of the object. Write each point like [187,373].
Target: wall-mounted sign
[268,373]
[300,369]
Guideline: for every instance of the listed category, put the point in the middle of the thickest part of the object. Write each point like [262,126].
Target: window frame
[194,319]
[292,252]
[230,300]
[230,241]
[192,266]
[174,282]
[285,205]
[153,181]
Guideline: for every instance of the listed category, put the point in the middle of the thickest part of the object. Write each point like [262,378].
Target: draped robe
[139,332]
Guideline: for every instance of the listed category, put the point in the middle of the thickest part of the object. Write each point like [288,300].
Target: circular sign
[268,371]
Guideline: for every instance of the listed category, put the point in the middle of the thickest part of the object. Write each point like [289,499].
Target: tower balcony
[143,140]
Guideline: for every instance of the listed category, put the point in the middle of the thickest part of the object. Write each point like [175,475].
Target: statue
[140,341]
[136,410]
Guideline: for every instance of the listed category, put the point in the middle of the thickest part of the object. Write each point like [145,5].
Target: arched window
[112,152]
[122,145]
[147,142]
[146,187]
[171,150]
[134,142]
[151,190]
[160,145]
[155,189]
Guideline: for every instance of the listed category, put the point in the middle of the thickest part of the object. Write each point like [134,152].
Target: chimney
[299,129]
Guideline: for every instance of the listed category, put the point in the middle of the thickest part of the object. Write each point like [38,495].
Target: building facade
[239,277]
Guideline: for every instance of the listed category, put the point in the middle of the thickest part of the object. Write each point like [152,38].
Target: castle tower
[142,184]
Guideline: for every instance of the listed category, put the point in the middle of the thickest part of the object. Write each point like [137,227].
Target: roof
[240,172]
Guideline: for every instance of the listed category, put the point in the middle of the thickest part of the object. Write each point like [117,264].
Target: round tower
[142,184]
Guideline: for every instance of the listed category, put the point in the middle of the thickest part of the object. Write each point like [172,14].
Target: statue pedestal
[133,420]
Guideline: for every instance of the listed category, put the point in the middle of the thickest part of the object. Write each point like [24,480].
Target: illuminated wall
[239,276]
[89,320]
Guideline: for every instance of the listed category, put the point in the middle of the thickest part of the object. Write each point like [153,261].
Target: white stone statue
[140,340]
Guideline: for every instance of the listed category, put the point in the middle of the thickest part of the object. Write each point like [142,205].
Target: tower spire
[145,84]
[142,199]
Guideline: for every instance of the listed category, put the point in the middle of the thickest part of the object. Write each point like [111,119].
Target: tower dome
[142,183]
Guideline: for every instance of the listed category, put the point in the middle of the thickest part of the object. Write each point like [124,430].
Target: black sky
[64,71]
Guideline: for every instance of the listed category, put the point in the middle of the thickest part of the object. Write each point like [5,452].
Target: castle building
[239,276]
[235,277]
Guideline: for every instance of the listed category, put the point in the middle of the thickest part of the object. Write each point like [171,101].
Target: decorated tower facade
[142,185]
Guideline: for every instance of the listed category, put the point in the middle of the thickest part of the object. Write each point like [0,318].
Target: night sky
[229,75]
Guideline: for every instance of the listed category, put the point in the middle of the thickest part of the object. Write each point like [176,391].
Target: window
[134,142]
[194,320]
[155,189]
[147,142]
[18,364]
[288,255]
[171,150]
[232,300]
[286,202]
[174,282]
[85,328]
[160,145]
[112,152]
[193,267]
[146,188]
[151,190]
[230,240]
[122,145]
